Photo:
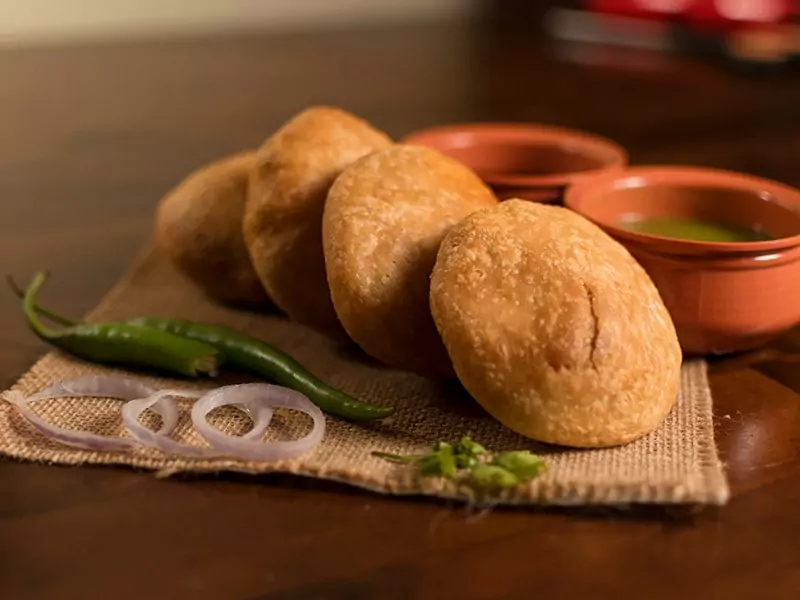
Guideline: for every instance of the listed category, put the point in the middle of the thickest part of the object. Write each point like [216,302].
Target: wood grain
[90,138]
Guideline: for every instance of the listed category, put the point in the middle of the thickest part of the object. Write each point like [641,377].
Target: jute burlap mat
[678,463]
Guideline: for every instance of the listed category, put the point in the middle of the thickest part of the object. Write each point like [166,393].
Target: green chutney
[695,230]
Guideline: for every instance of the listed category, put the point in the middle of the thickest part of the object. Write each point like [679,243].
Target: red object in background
[748,31]
[658,9]
[740,12]
[628,8]
[723,14]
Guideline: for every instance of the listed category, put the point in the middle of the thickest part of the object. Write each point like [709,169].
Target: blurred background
[761,31]
[32,21]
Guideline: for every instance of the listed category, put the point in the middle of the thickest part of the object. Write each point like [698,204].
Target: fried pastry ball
[199,227]
[384,220]
[553,327]
[294,169]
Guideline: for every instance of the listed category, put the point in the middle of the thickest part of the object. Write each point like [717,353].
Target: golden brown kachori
[294,169]
[383,222]
[553,327]
[199,227]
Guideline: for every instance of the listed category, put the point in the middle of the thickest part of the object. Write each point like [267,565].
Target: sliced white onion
[94,387]
[255,399]
[157,439]
[260,415]
[260,394]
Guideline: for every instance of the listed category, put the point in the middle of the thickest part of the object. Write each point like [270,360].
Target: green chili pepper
[259,358]
[119,343]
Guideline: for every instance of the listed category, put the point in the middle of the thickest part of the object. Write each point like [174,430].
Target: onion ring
[266,395]
[94,387]
[257,400]
[260,415]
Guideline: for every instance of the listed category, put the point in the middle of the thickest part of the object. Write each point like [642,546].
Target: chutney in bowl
[723,248]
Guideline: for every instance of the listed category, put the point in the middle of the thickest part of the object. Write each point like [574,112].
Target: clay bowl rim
[787,197]
[515,132]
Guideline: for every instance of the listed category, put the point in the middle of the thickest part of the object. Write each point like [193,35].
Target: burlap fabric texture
[677,464]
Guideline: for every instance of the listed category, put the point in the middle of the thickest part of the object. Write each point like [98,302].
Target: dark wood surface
[90,138]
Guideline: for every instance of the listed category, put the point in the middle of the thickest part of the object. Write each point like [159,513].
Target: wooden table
[91,138]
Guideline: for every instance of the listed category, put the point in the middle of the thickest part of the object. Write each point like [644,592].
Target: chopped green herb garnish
[521,463]
[439,463]
[467,447]
[465,462]
[484,475]
[474,462]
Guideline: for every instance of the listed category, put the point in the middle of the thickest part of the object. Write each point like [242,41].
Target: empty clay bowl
[533,162]
[722,296]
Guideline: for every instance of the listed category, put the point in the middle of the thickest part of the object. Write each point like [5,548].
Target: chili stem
[48,314]
[30,308]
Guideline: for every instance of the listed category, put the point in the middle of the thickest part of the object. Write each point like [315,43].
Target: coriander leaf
[523,464]
[485,475]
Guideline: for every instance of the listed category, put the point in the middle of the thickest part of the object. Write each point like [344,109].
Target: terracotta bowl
[533,162]
[723,297]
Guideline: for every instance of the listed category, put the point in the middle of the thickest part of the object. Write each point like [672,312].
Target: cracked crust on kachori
[384,220]
[294,169]
[553,327]
[198,225]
